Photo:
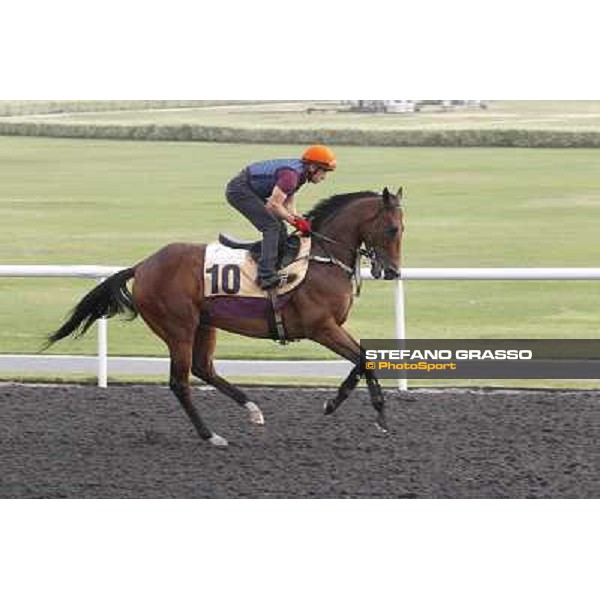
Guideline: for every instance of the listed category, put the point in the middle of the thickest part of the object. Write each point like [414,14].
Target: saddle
[288,248]
[230,266]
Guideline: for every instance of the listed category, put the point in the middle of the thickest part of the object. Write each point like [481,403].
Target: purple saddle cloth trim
[243,308]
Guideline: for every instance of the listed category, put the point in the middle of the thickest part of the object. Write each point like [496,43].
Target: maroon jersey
[288,181]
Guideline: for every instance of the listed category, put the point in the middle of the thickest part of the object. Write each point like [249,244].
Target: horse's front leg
[375,391]
[342,343]
[377,400]
[332,404]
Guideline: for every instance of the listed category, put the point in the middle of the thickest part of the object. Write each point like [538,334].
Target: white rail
[99,273]
[501,273]
[429,273]
[77,271]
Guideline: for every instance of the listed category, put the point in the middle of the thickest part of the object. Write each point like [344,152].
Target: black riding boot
[267,265]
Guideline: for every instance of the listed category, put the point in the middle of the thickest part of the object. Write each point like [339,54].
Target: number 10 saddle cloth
[230,267]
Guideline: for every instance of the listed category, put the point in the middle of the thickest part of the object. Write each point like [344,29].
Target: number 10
[230,278]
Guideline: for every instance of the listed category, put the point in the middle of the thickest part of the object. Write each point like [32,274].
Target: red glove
[302,225]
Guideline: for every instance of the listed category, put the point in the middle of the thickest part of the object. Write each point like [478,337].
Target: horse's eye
[390,232]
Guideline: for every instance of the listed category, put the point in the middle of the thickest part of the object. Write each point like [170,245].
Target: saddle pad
[230,272]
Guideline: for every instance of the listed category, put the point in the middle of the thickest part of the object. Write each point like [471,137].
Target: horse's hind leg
[203,367]
[181,359]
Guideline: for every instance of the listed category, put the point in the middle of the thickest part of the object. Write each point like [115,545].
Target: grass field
[547,115]
[113,203]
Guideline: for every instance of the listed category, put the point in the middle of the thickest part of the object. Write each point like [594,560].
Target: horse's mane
[329,206]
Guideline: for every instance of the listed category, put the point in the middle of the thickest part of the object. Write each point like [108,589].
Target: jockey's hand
[302,225]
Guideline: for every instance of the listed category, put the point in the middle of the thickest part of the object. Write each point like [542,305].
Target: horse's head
[375,220]
[382,235]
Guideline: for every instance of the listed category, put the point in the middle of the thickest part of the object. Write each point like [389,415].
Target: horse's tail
[107,299]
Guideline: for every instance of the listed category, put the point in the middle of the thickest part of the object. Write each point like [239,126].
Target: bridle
[377,255]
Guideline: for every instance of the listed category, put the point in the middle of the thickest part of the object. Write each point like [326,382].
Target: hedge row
[456,138]
[11,108]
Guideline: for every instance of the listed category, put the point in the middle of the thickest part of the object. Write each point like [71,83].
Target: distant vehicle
[409,106]
[451,104]
[391,106]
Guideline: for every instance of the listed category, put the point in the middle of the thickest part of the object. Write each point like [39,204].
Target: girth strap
[282,339]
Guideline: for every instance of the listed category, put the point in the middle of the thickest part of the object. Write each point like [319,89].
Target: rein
[367,253]
[353,272]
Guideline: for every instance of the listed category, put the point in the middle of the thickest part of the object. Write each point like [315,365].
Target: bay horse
[168,293]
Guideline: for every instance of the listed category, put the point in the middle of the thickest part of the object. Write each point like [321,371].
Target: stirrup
[277,280]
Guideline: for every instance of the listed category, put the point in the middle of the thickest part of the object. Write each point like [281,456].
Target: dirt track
[135,442]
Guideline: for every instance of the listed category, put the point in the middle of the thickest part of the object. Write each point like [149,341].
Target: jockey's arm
[290,204]
[276,205]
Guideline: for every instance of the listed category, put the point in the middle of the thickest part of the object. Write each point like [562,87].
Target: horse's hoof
[256,415]
[328,407]
[217,440]
[381,423]
[407,397]
[382,428]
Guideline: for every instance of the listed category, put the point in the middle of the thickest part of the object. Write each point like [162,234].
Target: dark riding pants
[241,196]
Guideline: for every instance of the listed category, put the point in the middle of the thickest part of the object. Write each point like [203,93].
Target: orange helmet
[320,155]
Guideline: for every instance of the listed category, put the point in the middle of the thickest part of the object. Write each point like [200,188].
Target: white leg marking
[380,428]
[217,440]
[256,415]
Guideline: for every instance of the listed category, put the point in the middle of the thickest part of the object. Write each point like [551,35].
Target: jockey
[264,193]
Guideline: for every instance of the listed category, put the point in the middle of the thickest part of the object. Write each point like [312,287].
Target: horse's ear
[386,196]
[399,193]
